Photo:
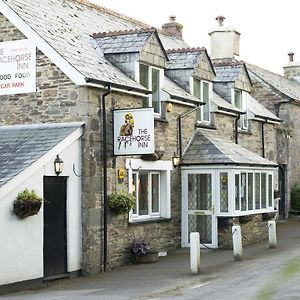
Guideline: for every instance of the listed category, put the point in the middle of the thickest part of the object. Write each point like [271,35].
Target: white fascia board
[41,44]
[42,161]
[139,164]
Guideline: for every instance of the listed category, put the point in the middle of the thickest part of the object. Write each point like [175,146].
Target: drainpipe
[236,129]
[104,158]
[263,137]
[180,130]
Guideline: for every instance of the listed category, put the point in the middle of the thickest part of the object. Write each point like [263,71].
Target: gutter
[116,86]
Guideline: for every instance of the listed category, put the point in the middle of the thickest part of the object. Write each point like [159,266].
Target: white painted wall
[21,241]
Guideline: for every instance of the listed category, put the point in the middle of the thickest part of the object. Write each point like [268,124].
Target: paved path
[262,274]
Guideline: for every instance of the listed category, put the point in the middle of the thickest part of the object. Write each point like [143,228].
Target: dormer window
[239,100]
[203,90]
[150,77]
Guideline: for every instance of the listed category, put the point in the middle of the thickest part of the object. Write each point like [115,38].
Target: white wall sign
[134,131]
[17,67]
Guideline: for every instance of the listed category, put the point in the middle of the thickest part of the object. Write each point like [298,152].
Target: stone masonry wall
[163,235]
[57,99]
[254,229]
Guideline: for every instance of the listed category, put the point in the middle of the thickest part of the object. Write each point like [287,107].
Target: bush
[295,197]
[121,202]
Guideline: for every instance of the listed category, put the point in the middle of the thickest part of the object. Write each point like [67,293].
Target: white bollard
[272,234]
[195,252]
[237,242]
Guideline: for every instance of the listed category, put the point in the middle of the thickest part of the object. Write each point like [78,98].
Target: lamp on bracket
[58,165]
[176,160]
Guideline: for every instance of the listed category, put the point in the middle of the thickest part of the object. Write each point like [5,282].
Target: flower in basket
[140,247]
[28,203]
[121,202]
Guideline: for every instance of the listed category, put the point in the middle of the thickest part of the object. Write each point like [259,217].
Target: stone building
[280,95]
[83,66]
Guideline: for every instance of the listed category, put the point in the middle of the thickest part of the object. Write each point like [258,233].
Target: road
[263,274]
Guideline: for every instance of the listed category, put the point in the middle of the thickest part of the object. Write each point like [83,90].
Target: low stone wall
[254,229]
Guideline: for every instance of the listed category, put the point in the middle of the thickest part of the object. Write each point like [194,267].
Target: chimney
[291,69]
[224,41]
[173,28]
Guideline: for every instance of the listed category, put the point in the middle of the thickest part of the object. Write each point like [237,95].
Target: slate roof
[227,73]
[184,58]
[22,145]
[207,147]
[170,42]
[67,26]
[177,92]
[260,111]
[224,104]
[288,87]
[123,42]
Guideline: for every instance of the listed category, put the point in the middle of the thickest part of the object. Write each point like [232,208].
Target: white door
[198,194]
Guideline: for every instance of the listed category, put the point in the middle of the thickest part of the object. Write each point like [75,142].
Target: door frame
[186,212]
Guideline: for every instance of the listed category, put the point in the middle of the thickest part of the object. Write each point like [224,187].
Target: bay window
[253,190]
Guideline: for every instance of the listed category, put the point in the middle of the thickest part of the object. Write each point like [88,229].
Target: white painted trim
[40,43]
[164,167]
[29,171]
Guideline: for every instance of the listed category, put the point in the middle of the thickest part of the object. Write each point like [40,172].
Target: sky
[269,29]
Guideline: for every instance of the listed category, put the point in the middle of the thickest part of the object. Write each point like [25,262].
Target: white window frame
[163,168]
[232,212]
[200,118]
[243,124]
[161,80]
[254,209]
[149,200]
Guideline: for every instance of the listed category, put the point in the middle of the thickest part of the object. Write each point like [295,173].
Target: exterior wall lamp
[176,160]
[58,165]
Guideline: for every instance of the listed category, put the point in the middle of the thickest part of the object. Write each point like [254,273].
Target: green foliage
[28,195]
[121,202]
[295,197]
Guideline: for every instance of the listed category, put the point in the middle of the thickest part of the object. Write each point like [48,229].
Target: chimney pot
[220,19]
[291,56]
[172,18]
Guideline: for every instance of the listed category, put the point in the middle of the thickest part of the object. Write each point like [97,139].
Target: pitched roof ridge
[227,63]
[184,50]
[123,32]
[112,12]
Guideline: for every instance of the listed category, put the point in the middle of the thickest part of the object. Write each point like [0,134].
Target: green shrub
[295,197]
[28,195]
[121,202]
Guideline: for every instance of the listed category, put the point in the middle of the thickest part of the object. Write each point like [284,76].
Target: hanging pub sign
[133,131]
[17,67]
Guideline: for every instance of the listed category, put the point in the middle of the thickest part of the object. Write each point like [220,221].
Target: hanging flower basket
[28,203]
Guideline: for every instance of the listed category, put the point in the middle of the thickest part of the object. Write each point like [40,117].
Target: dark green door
[55,236]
